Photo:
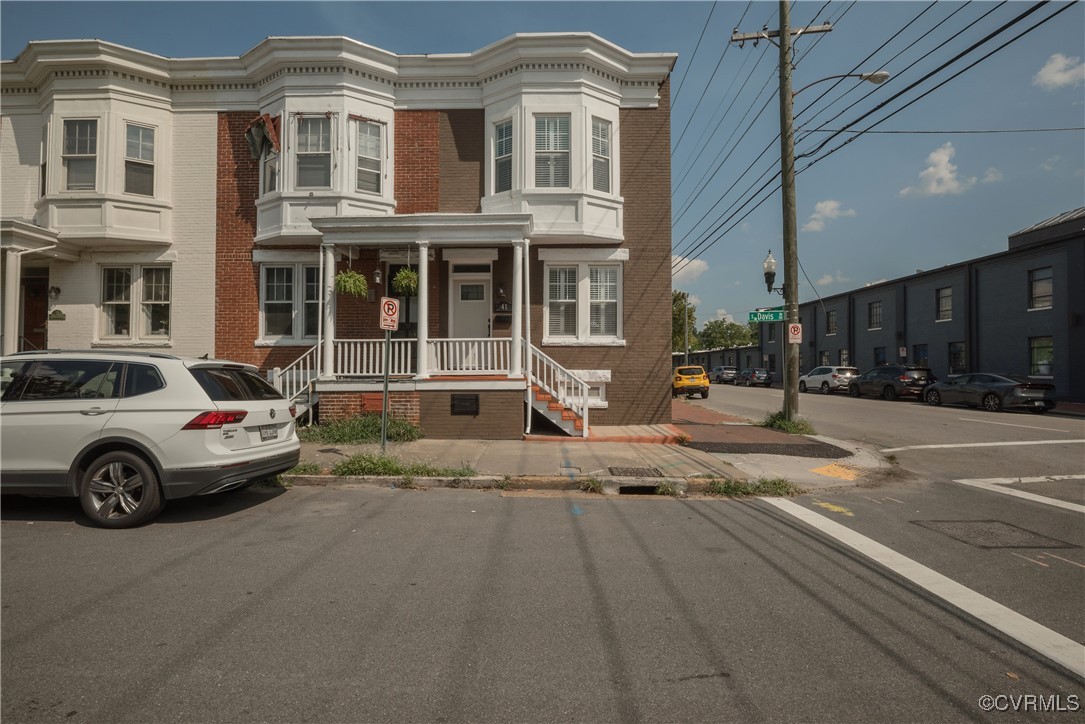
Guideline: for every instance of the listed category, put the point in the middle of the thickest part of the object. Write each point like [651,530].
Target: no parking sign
[389,313]
[794,333]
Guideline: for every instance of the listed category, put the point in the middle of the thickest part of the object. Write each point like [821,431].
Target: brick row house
[210,206]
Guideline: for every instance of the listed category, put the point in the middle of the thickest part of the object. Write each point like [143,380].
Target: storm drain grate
[636,472]
[991,534]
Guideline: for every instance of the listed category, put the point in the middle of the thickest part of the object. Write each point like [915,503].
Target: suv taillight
[293,411]
[214,419]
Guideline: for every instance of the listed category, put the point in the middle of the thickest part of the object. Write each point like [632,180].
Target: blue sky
[950,182]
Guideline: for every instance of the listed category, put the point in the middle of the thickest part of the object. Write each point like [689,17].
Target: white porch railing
[559,383]
[365,357]
[295,377]
[470,356]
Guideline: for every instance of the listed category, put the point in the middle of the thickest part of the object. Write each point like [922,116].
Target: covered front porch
[471,328]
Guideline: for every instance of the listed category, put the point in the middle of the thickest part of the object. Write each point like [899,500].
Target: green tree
[682,314]
[723,334]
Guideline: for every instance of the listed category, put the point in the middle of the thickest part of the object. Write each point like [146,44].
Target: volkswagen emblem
[271,412]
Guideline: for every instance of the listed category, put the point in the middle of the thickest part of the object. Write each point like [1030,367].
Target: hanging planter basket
[351,282]
[406,282]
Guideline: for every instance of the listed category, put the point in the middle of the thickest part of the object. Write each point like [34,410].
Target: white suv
[126,431]
[827,379]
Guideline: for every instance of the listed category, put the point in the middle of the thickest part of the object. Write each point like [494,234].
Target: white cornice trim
[588,255]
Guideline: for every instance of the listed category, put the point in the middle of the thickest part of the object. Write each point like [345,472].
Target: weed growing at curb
[407,483]
[592,485]
[666,488]
[798,426]
[367,464]
[361,429]
[763,486]
[305,468]
[504,483]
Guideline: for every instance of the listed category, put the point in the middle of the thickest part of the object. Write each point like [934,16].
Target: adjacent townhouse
[514,201]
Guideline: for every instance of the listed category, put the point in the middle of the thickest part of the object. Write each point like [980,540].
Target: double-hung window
[314,152]
[600,149]
[944,300]
[369,157]
[80,154]
[552,152]
[830,322]
[139,160]
[1041,356]
[1040,294]
[271,170]
[874,315]
[135,302]
[503,157]
[290,301]
[583,303]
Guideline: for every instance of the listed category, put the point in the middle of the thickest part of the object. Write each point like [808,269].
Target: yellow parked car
[688,381]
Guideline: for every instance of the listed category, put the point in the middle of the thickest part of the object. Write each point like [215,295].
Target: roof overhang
[437,229]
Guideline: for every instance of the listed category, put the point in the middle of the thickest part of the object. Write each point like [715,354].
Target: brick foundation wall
[344,405]
[501,416]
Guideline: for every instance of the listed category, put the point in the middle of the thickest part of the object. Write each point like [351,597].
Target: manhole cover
[636,472]
[991,534]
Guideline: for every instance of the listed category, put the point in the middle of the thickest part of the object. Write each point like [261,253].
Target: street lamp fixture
[877,78]
[769,265]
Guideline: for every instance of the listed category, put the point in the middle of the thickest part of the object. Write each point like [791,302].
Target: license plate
[268,432]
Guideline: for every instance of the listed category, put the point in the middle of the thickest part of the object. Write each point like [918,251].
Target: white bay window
[583,303]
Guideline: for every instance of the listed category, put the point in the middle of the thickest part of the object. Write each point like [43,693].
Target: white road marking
[995,485]
[1058,648]
[952,445]
[1011,424]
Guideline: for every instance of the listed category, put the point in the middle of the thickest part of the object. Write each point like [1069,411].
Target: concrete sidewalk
[699,443]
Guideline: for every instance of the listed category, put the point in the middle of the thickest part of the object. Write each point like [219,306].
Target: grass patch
[305,468]
[667,488]
[798,426]
[592,485]
[361,429]
[779,487]
[370,464]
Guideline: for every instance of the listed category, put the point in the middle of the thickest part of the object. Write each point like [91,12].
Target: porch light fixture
[377,276]
[54,293]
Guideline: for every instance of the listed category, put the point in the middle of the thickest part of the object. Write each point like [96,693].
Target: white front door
[471,308]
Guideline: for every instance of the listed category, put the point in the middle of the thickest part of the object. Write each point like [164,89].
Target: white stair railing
[561,384]
[294,379]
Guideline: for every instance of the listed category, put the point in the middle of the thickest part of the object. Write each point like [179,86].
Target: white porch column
[328,301]
[516,366]
[422,355]
[13,265]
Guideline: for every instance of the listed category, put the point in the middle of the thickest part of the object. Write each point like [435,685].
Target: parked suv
[827,379]
[893,381]
[754,376]
[126,431]
[689,380]
[721,375]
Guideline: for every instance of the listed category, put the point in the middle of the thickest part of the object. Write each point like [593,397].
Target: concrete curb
[610,485]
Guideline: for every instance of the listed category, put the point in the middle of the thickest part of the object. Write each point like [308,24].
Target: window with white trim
[552,152]
[314,152]
[139,160]
[583,302]
[80,154]
[503,157]
[369,157]
[125,287]
[289,301]
[270,170]
[600,149]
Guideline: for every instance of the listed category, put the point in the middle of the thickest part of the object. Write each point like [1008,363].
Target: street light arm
[877,78]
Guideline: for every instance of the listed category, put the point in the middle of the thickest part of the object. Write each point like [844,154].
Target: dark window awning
[262,132]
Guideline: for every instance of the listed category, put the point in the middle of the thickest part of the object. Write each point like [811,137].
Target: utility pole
[787,189]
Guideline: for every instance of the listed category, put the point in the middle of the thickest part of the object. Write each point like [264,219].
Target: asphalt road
[937,443]
[367,604]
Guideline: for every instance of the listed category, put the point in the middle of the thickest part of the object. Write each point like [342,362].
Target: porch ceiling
[437,229]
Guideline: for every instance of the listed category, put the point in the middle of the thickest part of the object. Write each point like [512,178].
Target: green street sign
[769,315]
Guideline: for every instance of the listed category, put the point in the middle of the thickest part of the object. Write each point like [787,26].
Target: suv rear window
[232,384]
[690,371]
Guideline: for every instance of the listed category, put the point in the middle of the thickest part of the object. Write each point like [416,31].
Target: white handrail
[295,377]
[560,383]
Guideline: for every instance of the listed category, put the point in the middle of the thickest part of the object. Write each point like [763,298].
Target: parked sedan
[827,379]
[994,392]
[754,376]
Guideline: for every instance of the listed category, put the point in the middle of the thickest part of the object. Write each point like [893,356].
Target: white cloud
[689,269]
[823,211]
[1049,164]
[1060,72]
[992,175]
[825,280]
[828,279]
[723,315]
[694,300]
[940,177]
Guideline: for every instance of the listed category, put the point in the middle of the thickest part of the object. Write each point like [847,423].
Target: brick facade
[417,156]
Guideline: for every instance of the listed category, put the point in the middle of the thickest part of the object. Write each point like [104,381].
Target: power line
[694,56]
[960,131]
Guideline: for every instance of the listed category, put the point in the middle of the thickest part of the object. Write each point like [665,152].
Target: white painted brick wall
[20,155]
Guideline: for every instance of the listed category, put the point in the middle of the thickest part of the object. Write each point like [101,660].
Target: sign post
[389,323]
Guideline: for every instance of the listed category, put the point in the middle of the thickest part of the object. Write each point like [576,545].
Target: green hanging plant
[405,281]
[349,281]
